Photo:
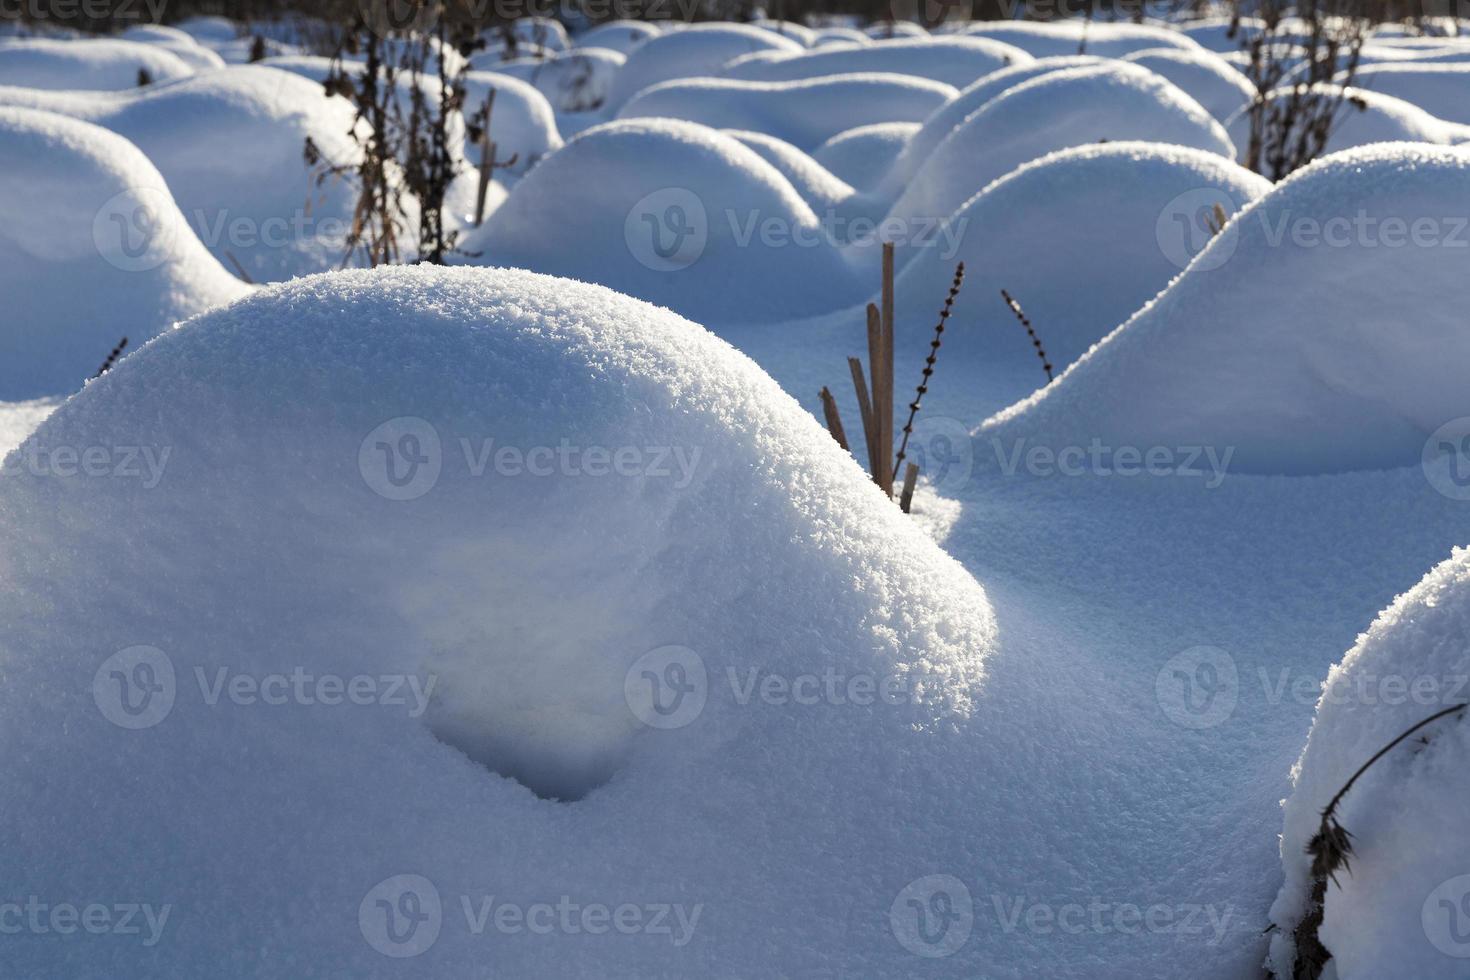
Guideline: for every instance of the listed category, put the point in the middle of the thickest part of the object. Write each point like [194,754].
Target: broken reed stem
[885,417]
[908,426]
[111,358]
[834,418]
[1035,340]
[865,407]
[910,477]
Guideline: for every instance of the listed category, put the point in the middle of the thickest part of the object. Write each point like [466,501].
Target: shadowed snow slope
[1400,911]
[1078,278]
[621,36]
[230,145]
[816,185]
[92,249]
[1439,90]
[1239,354]
[674,213]
[956,61]
[699,50]
[86,64]
[1052,112]
[863,155]
[805,113]
[291,530]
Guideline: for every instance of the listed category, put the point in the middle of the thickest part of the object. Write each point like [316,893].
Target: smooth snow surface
[1051,112]
[1440,90]
[956,61]
[770,552]
[1207,78]
[702,49]
[805,113]
[671,212]
[1236,355]
[862,155]
[1051,39]
[92,249]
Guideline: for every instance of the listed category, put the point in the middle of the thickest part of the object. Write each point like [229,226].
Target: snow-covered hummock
[806,112]
[887,30]
[840,35]
[700,50]
[540,32]
[861,156]
[522,122]
[578,80]
[176,42]
[1399,910]
[230,144]
[101,63]
[1363,117]
[1294,378]
[1112,102]
[675,213]
[819,187]
[1044,39]
[956,61]
[242,50]
[621,36]
[1081,238]
[1222,35]
[947,117]
[799,33]
[92,249]
[1206,77]
[1442,90]
[210,31]
[733,540]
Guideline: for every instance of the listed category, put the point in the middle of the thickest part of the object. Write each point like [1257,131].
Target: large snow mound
[602,617]
[1208,79]
[956,61]
[1240,354]
[1065,37]
[1439,90]
[92,249]
[230,145]
[805,113]
[1054,111]
[177,43]
[700,50]
[621,36]
[1399,909]
[572,81]
[108,64]
[674,213]
[944,120]
[1076,278]
[818,187]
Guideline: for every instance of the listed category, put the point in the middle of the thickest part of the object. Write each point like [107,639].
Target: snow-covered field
[521,617]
